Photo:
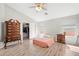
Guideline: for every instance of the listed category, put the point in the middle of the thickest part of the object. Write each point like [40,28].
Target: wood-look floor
[28,49]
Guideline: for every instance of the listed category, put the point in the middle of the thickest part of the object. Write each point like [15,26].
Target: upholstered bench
[43,42]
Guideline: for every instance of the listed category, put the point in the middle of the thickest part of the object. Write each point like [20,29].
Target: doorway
[25,30]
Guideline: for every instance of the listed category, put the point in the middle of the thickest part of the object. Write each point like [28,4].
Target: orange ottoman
[43,42]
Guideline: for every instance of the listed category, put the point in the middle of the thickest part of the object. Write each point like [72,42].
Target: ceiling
[55,10]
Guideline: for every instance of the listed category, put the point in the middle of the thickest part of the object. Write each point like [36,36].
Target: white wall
[2,16]
[51,27]
[55,26]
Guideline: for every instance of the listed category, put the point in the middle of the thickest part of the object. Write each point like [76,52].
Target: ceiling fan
[40,7]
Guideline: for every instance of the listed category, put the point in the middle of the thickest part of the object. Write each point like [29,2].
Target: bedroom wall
[2,16]
[55,26]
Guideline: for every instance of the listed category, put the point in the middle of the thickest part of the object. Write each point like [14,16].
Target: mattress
[43,42]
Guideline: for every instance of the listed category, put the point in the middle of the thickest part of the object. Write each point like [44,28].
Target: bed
[43,42]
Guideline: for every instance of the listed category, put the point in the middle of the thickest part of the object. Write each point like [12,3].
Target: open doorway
[25,30]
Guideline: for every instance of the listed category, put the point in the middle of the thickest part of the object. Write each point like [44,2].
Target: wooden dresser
[12,31]
[60,38]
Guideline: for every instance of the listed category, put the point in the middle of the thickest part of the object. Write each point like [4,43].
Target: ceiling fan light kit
[40,7]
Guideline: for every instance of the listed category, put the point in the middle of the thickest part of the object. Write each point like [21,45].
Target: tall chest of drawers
[12,31]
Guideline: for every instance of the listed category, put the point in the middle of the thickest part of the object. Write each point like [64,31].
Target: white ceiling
[55,10]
